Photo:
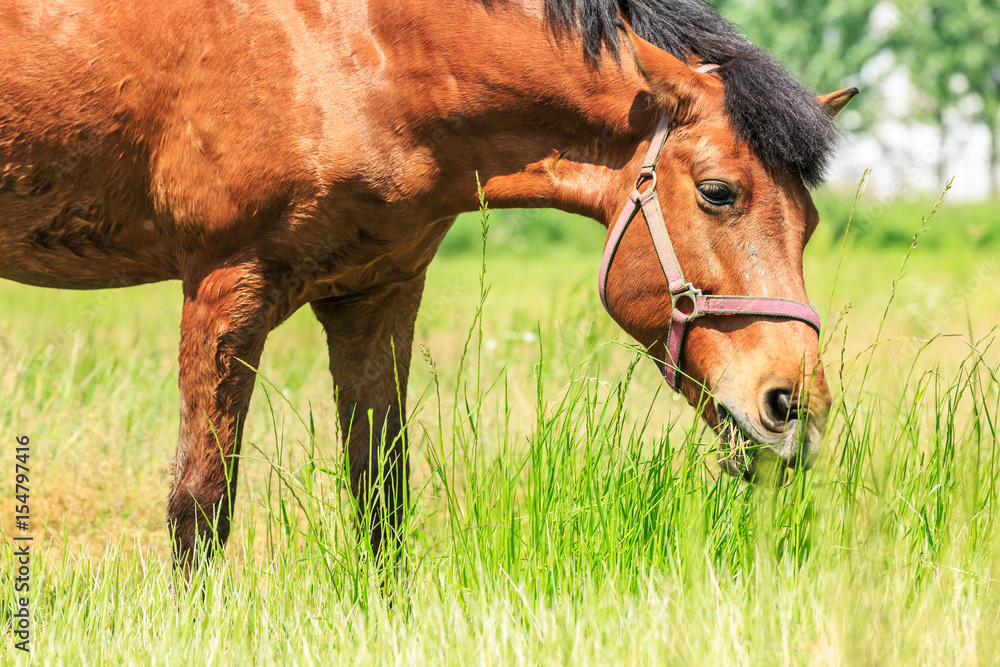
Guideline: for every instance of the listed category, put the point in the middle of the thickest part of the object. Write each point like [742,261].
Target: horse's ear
[834,102]
[674,84]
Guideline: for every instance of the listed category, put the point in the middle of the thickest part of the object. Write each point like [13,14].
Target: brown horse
[275,153]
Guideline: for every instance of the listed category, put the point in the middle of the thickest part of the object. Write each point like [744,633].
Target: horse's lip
[747,430]
[742,449]
[736,444]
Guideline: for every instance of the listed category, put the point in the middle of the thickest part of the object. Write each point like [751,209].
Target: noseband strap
[680,289]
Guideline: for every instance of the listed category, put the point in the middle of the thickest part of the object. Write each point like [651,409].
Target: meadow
[566,507]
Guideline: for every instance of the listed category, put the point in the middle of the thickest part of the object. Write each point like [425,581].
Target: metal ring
[692,293]
[644,176]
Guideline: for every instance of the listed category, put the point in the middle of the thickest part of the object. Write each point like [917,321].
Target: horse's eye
[717,193]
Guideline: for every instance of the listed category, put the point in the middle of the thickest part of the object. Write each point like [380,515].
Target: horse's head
[738,227]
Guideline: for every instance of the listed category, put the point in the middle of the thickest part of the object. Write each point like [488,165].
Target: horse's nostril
[780,408]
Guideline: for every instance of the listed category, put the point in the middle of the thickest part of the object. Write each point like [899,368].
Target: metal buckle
[690,292]
[647,174]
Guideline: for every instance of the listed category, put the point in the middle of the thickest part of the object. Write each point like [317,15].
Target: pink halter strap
[701,304]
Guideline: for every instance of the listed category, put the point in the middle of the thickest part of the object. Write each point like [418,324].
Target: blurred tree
[952,51]
[824,43]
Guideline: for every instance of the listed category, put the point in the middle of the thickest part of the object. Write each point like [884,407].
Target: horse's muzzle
[791,442]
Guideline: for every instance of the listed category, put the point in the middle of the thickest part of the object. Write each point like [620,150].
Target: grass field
[566,507]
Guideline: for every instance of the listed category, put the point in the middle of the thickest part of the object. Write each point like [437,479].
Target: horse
[270,154]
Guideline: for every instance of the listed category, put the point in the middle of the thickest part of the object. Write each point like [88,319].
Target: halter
[680,289]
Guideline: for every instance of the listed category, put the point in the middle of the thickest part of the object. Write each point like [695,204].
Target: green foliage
[961,225]
[526,231]
[824,43]
[941,42]
[948,47]
[951,49]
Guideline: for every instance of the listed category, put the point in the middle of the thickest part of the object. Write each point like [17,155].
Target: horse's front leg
[224,323]
[370,337]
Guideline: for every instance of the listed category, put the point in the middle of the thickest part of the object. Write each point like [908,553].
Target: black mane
[776,115]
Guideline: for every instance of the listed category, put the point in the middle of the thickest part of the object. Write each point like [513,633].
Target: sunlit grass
[565,507]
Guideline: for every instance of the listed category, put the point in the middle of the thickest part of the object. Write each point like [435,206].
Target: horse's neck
[494,92]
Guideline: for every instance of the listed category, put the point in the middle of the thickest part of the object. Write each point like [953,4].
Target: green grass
[566,507]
